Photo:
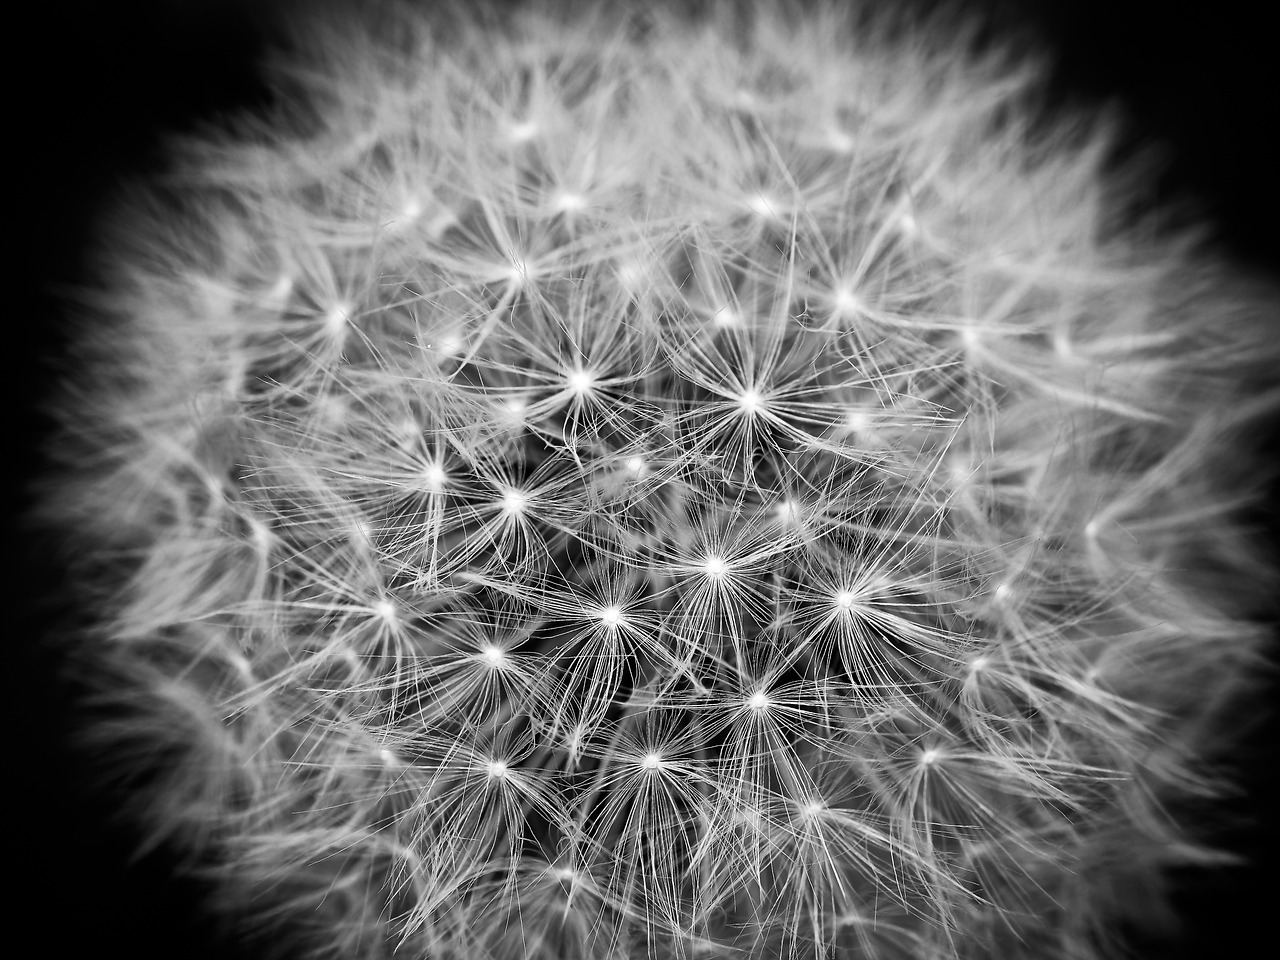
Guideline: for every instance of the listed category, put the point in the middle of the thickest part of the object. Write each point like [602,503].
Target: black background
[102,81]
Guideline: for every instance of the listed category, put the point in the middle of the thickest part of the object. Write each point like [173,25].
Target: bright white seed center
[715,567]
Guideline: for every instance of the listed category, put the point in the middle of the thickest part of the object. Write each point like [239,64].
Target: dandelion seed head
[363,468]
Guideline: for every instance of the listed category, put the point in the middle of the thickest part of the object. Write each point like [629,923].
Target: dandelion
[638,483]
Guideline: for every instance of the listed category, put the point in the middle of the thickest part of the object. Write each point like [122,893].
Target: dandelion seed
[846,599]
[581,382]
[651,762]
[514,411]
[522,132]
[839,141]
[388,758]
[449,343]
[636,467]
[788,512]
[518,272]
[496,769]
[846,302]
[930,756]
[336,319]
[568,202]
[726,317]
[514,502]
[763,206]
[813,808]
[759,702]
[494,656]
[434,478]
[278,296]
[1003,594]
[408,214]
[857,421]
[715,567]
[610,616]
[633,276]
[750,402]
[386,611]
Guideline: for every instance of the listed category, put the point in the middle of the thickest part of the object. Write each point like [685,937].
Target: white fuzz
[623,483]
